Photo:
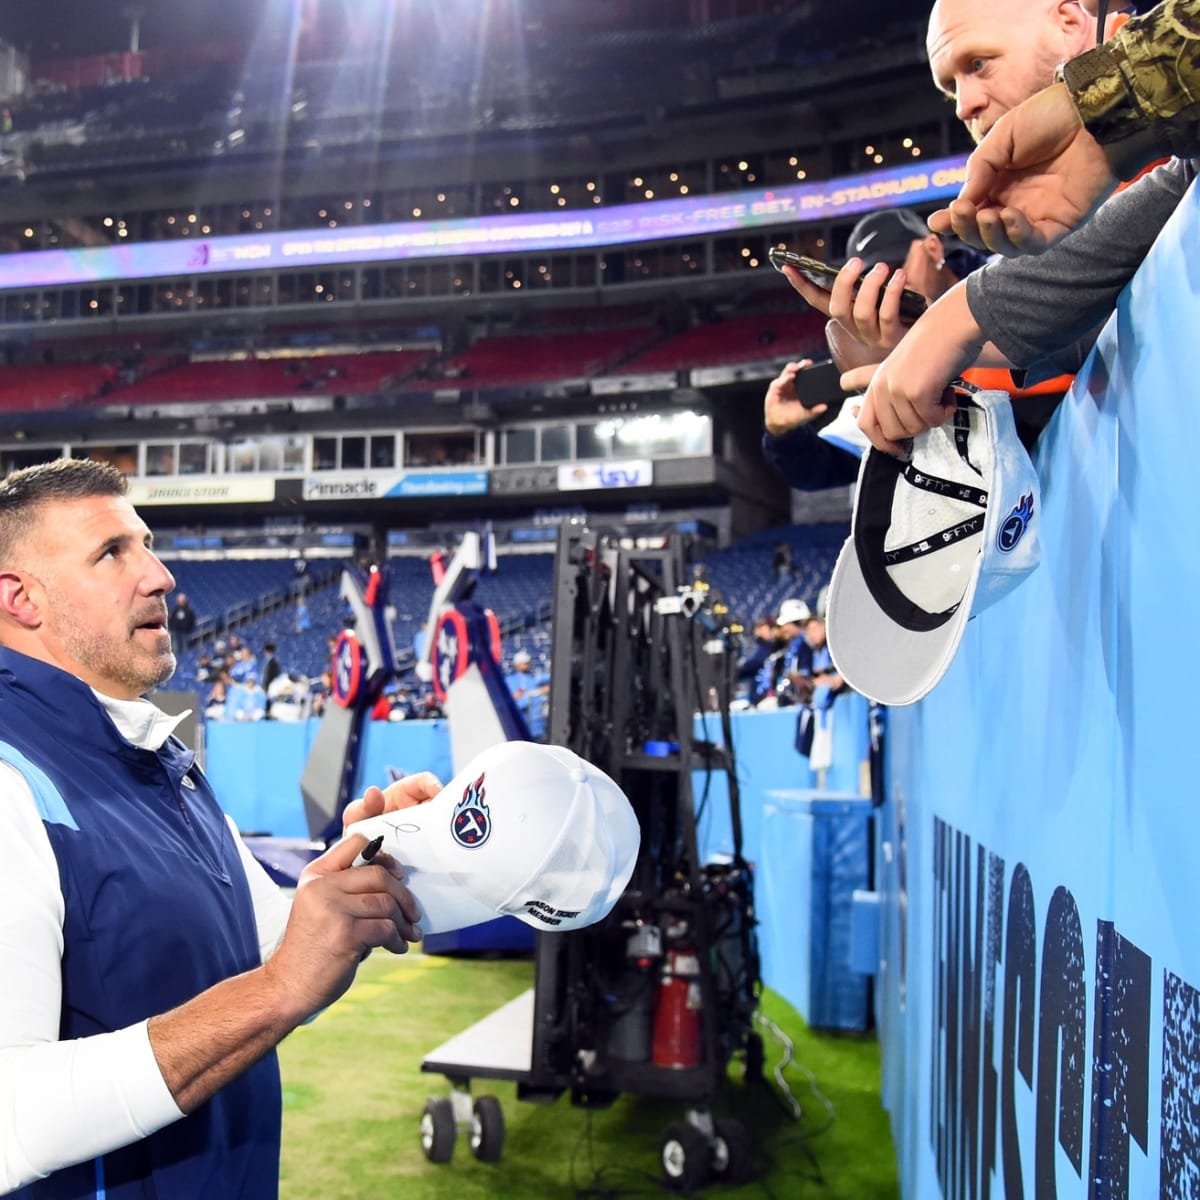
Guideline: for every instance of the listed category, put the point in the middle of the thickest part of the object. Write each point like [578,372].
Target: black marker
[368,852]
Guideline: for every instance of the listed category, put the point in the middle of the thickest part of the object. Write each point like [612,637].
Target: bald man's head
[990,55]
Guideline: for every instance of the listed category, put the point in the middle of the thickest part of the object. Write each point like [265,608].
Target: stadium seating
[736,339]
[34,387]
[744,577]
[505,361]
[344,374]
[519,593]
[215,587]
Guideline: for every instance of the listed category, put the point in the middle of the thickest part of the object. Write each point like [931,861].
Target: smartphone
[819,384]
[912,304]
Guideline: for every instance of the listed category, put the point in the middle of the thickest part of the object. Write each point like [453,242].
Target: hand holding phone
[803,393]
[822,275]
[818,384]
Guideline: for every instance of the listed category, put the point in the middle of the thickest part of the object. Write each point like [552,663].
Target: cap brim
[876,655]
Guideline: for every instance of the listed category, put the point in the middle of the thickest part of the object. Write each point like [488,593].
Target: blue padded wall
[1039,998]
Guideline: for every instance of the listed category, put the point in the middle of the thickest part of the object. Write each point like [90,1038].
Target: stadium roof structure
[66,28]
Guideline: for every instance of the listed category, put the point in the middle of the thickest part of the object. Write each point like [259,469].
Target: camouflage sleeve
[1139,93]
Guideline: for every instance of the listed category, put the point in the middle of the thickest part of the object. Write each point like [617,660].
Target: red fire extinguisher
[678,1012]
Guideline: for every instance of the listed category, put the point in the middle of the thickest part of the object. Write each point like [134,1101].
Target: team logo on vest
[471,824]
[1012,529]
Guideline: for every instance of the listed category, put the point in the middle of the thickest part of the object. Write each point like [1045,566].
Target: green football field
[354,1092]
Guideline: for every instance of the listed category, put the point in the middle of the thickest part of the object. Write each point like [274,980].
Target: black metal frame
[628,632]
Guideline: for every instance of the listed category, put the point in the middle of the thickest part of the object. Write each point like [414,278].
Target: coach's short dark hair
[24,491]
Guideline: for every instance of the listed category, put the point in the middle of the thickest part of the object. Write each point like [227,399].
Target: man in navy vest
[150,966]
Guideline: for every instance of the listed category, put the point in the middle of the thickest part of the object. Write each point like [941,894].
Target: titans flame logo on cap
[471,823]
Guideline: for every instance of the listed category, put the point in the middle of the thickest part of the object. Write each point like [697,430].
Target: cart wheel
[732,1151]
[755,1058]
[487,1129]
[438,1130]
[685,1155]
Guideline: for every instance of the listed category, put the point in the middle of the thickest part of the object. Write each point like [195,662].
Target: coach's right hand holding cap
[525,829]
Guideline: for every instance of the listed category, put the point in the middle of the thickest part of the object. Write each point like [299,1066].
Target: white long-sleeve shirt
[66,1102]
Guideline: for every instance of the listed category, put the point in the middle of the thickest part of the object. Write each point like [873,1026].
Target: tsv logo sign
[598,476]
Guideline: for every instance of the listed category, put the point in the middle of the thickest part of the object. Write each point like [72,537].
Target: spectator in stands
[246,701]
[796,665]
[381,710]
[404,705]
[530,689]
[142,1016]
[271,668]
[245,665]
[320,689]
[183,621]
[214,704]
[773,685]
[289,698]
[815,669]
[781,562]
[763,647]
[818,687]
[302,622]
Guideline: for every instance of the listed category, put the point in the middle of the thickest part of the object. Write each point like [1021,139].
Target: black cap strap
[947,489]
[935,542]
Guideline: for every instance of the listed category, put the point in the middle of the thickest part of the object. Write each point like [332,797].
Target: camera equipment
[657,998]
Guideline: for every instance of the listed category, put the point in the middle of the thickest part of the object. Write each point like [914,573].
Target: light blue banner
[1040,984]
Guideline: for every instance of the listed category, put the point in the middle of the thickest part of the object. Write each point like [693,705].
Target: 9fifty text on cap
[936,539]
[526,830]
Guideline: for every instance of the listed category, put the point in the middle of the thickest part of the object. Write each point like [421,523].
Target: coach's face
[95,595]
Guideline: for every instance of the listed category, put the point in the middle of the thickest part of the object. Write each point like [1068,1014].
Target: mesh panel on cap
[937,579]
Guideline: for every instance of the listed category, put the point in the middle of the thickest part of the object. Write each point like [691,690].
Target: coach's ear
[17,605]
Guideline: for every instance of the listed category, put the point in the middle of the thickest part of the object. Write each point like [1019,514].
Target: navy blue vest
[157,910]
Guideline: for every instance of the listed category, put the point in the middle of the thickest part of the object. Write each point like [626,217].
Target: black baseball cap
[886,237]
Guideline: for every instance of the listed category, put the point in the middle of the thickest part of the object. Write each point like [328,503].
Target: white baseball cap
[793,612]
[524,829]
[936,538]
